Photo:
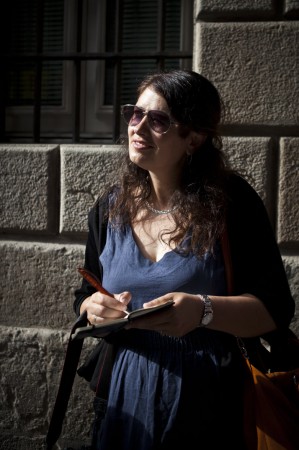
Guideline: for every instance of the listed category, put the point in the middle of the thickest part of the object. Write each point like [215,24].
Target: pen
[93,280]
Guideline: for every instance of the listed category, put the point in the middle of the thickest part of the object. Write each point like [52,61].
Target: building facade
[57,157]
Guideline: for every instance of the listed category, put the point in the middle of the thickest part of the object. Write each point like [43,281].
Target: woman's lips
[140,144]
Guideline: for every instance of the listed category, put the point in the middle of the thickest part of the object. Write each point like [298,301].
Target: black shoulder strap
[71,361]
[74,347]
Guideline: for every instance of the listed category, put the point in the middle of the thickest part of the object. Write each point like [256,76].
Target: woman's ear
[194,141]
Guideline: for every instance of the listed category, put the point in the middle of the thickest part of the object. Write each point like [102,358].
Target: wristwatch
[207,316]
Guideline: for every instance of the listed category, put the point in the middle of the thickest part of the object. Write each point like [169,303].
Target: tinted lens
[132,115]
[159,121]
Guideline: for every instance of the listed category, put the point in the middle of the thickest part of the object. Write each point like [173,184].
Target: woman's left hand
[183,316]
[241,315]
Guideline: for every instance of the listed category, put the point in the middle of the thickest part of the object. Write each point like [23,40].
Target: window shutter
[23,39]
[52,73]
[140,34]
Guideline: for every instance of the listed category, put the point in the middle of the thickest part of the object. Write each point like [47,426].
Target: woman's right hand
[101,307]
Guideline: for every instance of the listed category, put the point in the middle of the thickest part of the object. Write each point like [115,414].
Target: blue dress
[169,392]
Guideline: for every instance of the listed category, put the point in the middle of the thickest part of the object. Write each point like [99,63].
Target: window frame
[83,116]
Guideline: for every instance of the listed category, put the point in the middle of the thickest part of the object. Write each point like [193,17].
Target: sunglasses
[159,121]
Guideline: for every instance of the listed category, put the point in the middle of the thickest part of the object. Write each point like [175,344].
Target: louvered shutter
[23,39]
[140,34]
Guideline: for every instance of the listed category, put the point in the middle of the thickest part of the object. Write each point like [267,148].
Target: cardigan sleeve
[257,264]
[94,245]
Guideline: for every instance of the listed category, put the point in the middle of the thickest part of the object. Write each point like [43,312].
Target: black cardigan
[257,264]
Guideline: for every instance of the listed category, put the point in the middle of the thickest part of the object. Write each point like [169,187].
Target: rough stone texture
[252,157]
[291,264]
[34,168]
[31,363]
[86,171]
[291,7]
[254,66]
[233,6]
[38,282]
[288,211]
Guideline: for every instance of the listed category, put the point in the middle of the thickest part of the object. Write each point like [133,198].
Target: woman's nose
[140,125]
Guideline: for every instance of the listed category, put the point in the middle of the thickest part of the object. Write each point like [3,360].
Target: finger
[124,297]
[102,302]
[158,301]
[93,319]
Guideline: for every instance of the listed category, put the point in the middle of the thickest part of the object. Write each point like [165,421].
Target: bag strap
[74,347]
[68,374]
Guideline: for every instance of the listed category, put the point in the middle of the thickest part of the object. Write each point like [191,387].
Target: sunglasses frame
[147,113]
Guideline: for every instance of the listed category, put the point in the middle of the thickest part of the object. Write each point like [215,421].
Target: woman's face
[160,154]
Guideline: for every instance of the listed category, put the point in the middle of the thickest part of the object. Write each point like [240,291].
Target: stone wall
[249,49]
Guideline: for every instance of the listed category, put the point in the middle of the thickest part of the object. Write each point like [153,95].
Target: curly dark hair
[195,104]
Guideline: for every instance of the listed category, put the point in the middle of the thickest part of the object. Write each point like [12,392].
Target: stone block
[218,9]
[86,172]
[31,365]
[291,264]
[38,281]
[252,156]
[291,7]
[29,187]
[255,68]
[288,205]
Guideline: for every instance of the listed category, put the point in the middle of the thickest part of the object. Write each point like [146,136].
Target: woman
[177,375]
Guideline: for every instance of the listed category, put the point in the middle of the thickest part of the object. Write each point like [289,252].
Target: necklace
[160,211]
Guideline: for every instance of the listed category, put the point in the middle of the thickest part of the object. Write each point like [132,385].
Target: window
[70,64]
[22,40]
